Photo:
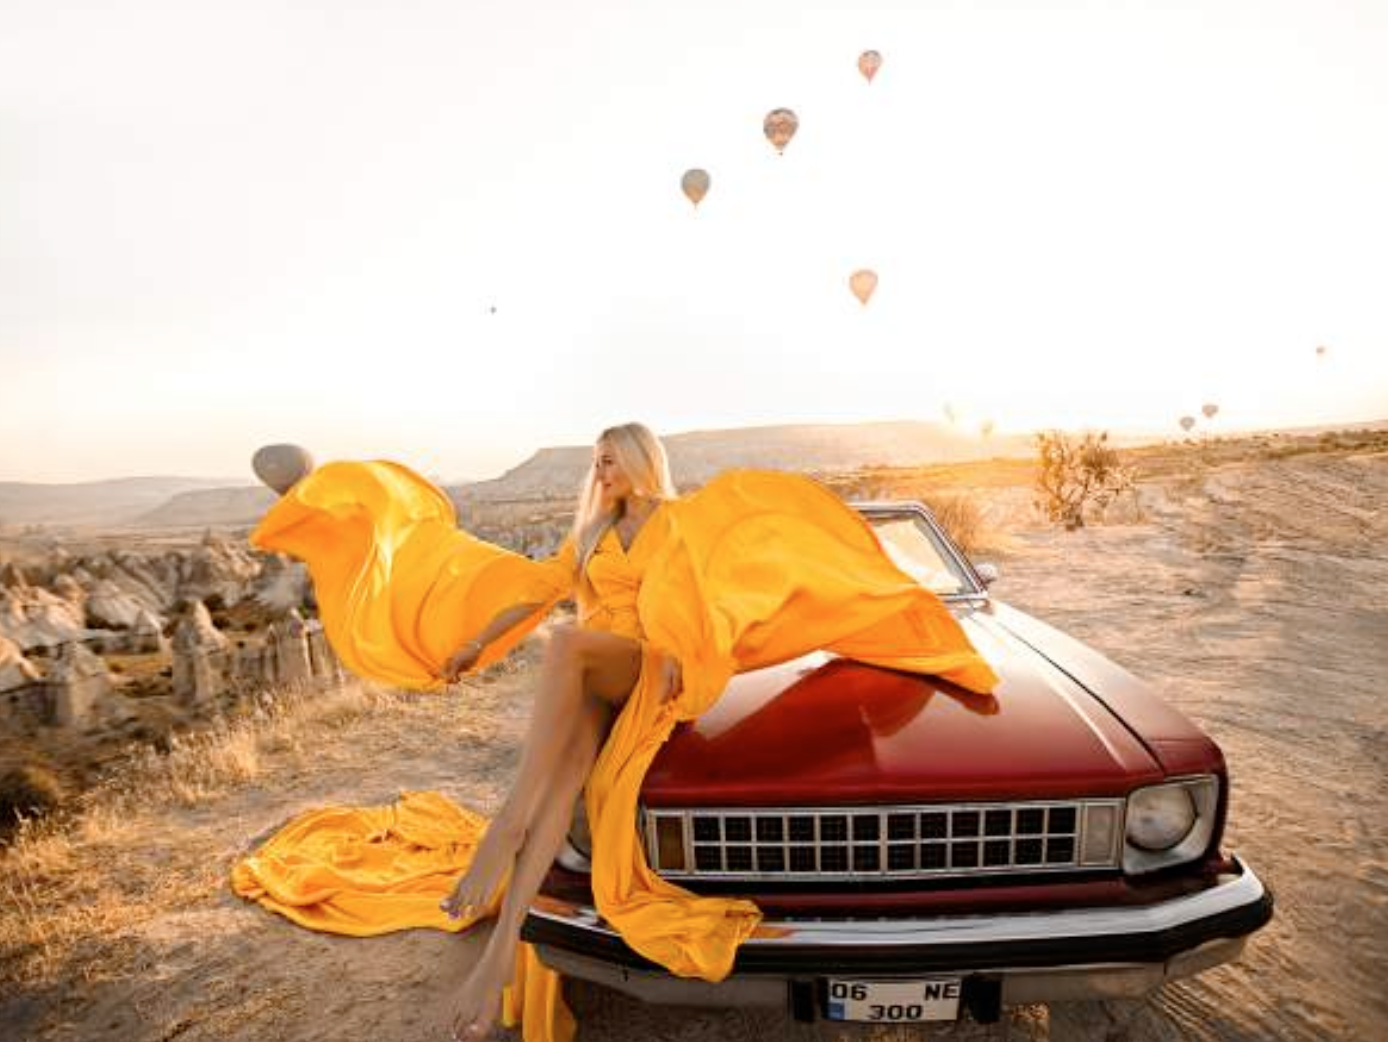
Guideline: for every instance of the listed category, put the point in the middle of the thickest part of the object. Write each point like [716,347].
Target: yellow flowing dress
[755,568]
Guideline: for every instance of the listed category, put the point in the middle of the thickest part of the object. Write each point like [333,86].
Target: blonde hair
[641,455]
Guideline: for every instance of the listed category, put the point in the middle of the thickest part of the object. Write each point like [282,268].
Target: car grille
[907,842]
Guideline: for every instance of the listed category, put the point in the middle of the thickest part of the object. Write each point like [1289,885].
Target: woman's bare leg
[576,660]
[480,1001]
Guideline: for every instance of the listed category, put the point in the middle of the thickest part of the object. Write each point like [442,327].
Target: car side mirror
[988,572]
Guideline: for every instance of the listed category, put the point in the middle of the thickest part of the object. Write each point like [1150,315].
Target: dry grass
[962,518]
[202,765]
[74,885]
[957,508]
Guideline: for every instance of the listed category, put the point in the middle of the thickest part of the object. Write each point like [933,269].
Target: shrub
[1078,474]
[28,791]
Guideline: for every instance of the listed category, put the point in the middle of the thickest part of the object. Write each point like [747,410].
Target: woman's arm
[466,656]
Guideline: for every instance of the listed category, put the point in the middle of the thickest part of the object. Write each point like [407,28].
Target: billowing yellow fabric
[365,871]
[755,568]
[399,586]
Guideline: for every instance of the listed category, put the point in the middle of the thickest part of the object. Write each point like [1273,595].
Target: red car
[924,850]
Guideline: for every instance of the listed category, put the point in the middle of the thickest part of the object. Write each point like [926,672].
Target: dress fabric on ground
[755,568]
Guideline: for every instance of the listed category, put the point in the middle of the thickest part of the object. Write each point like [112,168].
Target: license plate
[894,1001]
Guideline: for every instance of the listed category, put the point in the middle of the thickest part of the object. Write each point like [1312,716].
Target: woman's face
[612,479]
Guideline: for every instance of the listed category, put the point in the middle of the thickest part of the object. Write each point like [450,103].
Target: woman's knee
[565,643]
[608,664]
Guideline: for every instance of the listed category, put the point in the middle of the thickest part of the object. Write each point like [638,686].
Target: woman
[675,596]
[589,670]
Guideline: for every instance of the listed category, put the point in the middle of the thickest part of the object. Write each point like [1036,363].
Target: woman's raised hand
[672,676]
[461,661]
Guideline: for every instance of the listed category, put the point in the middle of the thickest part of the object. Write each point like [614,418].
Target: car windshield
[917,550]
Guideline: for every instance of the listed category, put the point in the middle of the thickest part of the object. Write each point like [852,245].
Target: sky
[451,233]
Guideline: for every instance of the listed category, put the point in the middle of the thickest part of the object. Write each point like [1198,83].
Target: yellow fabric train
[755,568]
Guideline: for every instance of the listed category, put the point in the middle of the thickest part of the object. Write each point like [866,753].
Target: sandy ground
[1252,596]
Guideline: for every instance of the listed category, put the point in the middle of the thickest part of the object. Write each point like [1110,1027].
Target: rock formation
[77,682]
[15,670]
[201,657]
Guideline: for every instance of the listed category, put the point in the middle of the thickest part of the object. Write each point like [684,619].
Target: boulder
[110,607]
[15,670]
[33,617]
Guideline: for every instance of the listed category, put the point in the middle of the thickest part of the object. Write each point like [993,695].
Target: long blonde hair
[641,455]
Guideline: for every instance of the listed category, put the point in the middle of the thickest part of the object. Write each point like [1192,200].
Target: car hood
[826,728]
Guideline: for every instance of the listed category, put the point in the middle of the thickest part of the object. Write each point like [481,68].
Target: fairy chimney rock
[77,680]
[289,639]
[201,657]
[196,632]
[147,633]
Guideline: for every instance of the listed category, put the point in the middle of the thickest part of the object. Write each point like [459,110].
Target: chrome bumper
[1010,959]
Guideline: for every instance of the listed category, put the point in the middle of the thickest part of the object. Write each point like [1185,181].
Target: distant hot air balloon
[1320,351]
[1187,422]
[779,127]
[863,283]
[281,466]
[868,64]
[1209,409]
[985,428]
[695,184]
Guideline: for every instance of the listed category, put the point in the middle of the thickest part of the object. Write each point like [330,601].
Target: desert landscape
[1243,577]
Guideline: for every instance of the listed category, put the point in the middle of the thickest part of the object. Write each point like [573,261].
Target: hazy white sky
[223,224]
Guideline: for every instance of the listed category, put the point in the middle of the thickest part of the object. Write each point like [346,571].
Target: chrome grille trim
[907,841]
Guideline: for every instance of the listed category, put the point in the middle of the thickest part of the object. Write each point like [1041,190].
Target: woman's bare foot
[479,1004]
[491,861]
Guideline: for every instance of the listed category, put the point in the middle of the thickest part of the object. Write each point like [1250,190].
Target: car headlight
[1160,817]
[1169,823]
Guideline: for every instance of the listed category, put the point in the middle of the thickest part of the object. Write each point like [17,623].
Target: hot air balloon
[868,64]
[1187,422]
[863,283]
[280,466]
[1209,409]
[985,428]
[1320,351]
[779,127]
[695,184]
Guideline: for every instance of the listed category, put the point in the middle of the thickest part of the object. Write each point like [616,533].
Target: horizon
[1134,438]
[438,233]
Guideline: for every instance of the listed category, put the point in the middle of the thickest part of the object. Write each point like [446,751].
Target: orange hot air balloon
[779,127]
[868,64]
[695,184]
[1209,409]
[863,283]
[1187,422]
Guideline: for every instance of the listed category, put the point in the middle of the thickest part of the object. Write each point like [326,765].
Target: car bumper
[1003,960]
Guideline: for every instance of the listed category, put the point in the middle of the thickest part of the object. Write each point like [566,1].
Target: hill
[698,455]
[96,503]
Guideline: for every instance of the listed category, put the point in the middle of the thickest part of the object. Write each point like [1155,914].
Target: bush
[1078,474]
[960,515]
[29,791]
